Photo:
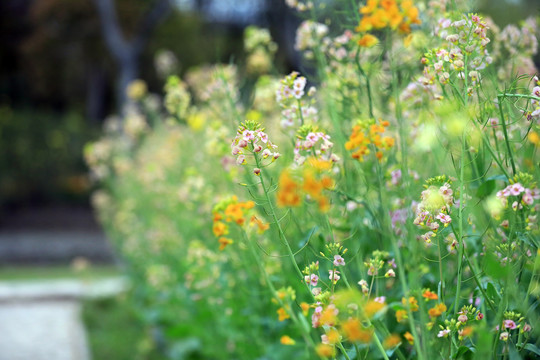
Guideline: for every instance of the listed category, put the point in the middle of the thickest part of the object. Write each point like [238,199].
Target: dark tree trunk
[127,52]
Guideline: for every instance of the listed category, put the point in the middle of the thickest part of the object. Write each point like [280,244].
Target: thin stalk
[505,132]
[276,221]
[460,214]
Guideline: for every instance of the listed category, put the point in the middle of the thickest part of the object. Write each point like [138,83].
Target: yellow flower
[282,314]
[401,315]
[223,242]
[220,229]
[136,89]
[368,41]
[408,336]
[391,341]
[305,308]
[324,350]
[413,303]
[437,310]
[534,138]
[372,307]
[333,336]
[354,331]
[429,295]
[288,193]
[287,340]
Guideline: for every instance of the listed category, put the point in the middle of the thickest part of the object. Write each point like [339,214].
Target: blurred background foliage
[57,77]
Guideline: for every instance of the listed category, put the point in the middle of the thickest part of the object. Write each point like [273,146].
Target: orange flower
[288,194]
[437,310]
[429,295]
[328,316]
[223,242]
[287,340]
[372,307]
[324,350]
[305,308]
[354,331]
[368,41]
[333,336]
[413,303]
[391,341]
[282,314]
[220,229]
[401,315]
[408,336]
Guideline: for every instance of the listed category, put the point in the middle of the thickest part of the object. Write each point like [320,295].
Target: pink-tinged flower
[516,189]
[334,276]
[462,318]
[480,316]
[509,324]
[445,219]
[380,299]
[248,135]
[516,205]
[504,336]
[314,280]
[392,263]
[494,122]
[276,155]
[307,279]
[266,153]
[526,328]
[338,260]
[390,273]
[324,339]
[242,143]
[263,136]
[257,171]
[257,148]
[527,199]
[241,160]
[236,150]
[316,291]
[443,333]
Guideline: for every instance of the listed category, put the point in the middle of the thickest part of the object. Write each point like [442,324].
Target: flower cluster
[310,142]
[177,97]
[534,114]
[512,321]
[434,207]
[231,211]
[381,14]
[310,183]
[462,325]
[520,195]
[260,48]
[465,41]
[368,134]
[296,109]
[251,138]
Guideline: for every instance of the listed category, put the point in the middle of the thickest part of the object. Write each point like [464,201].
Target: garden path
[41,320]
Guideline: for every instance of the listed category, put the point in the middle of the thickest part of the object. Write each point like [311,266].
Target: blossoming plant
[385,206]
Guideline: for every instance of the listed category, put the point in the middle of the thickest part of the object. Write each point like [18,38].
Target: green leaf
[492,292]
[494,268]
[485,189]
[464,352]
[532,348]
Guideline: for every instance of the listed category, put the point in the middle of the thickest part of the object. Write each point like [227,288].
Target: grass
[18,273]
[115,331]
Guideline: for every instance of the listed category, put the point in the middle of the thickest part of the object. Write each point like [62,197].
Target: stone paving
[41,320]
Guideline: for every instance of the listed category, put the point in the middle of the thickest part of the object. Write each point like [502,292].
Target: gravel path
[41,320]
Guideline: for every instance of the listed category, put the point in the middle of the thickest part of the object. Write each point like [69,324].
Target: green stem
[505,132]
[276,221]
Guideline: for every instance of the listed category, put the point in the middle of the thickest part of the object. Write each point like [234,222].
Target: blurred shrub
[41,156]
